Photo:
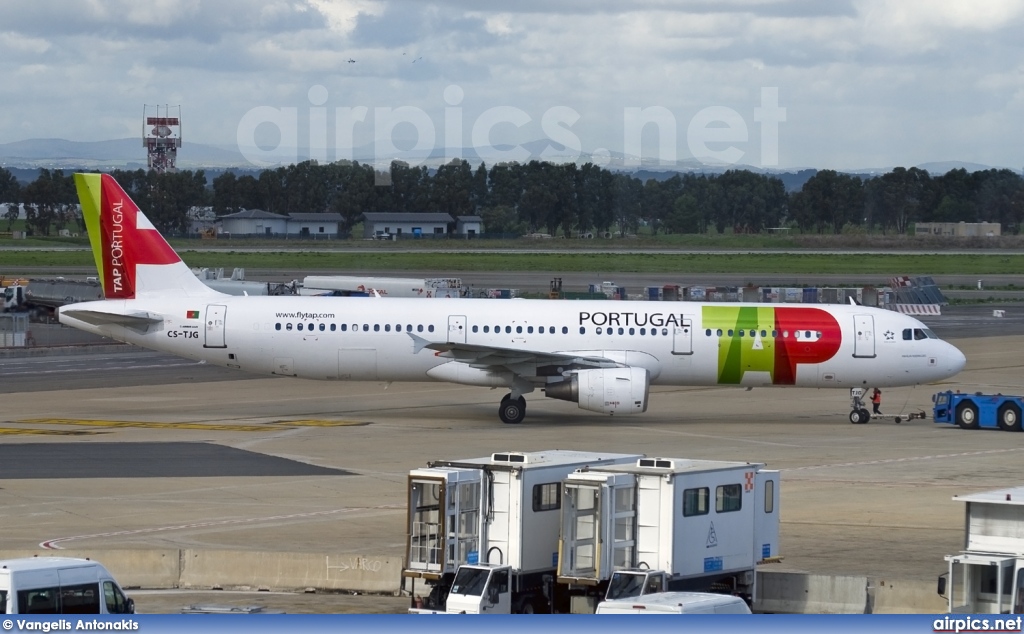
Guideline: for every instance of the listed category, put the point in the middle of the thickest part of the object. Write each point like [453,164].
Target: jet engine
[621,391]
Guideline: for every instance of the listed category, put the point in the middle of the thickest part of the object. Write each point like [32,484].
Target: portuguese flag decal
[192,314]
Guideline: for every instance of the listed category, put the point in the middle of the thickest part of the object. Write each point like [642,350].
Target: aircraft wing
[523,362]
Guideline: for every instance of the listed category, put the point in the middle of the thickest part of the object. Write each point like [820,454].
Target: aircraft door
[864,336]
[456,329]
[215,315]
[682,337]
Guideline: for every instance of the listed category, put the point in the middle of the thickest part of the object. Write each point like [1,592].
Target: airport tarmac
[870,499]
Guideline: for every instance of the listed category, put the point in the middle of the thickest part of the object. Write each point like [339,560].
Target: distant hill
[117,153]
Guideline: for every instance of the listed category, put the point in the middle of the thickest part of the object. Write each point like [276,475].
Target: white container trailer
[441,287]
[497,511]
[666,524]
[987,577]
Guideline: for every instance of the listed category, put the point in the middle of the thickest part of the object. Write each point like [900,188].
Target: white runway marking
[907,459]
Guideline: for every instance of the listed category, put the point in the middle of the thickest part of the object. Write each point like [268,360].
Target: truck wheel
[967,415]
[525,605]
[1009,417]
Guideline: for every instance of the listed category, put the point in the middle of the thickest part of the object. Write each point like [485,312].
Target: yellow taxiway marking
[140,425]
[14,431]
[119,424]
[321,423]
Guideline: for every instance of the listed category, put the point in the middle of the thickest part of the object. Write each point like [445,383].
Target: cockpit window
[919,334]
[930,334]
[908,334]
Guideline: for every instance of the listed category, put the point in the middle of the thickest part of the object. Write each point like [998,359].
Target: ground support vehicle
[668,523]
[496,515]
[676,603]
[977,410]
[59,585]
[41,298]
[987,577]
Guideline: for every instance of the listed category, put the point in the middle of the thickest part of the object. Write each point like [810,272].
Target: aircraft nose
[957,360]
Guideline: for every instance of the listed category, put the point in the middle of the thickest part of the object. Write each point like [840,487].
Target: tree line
[558,199]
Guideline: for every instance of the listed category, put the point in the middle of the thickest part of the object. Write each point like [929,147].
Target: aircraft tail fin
[131,256]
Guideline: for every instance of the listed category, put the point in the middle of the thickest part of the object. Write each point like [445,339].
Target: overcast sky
[844,84]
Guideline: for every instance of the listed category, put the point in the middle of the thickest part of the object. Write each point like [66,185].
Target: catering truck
[987,576]
[666,524]
[615,528]
[489,522]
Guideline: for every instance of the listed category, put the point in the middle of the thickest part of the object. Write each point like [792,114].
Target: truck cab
[987,577]
[481,589]
[978,583]
[628,584]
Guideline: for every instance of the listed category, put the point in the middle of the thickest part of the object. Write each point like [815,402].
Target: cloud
[862,79]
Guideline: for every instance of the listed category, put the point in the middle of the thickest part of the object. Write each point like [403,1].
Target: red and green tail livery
[121,236]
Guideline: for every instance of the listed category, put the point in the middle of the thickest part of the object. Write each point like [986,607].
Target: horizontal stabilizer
[100,318]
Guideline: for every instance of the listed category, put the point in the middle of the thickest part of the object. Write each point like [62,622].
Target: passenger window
[519,330]
[728,498]
[376,327]
[474,328]
[298,326]
[565,330]
[387,328]
[487,329]
[643,331]
[277,326]
[80,599]
[39,601]
[632,331]
[288,326]
[695,502]
[419,328]
[583,330]
[731,333]
[719,332]
[334,327]
[740,333]
[707,333]
[366,327]
[621,331]
[775,333]
[116,603]
[764,333]
[430,328]
[508,329]
[598,330]
[323,327]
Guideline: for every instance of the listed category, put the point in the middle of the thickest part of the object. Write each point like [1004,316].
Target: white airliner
[603,355]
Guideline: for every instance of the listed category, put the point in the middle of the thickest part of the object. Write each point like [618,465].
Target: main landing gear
[512,411]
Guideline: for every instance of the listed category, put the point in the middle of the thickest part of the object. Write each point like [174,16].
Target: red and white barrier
[918,309]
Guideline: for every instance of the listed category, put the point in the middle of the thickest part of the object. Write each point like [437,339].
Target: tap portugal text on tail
[602,355]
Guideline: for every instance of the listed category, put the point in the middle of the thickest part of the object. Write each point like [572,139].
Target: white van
[59,585]
[676,603]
